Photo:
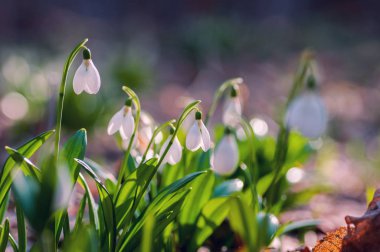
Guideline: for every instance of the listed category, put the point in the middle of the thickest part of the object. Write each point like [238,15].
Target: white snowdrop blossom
[147,127]
[123,122]
[174,154]
[225,159]
[86,77]
[198,135]
[307,114]
[232,110]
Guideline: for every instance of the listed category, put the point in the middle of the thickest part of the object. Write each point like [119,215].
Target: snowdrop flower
[123,122]
[198,135]
[174,154]
[232,109]
[307,113]
[147,127]
[225,159]
[86,77]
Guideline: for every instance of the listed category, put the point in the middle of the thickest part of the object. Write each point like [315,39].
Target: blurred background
[172,51]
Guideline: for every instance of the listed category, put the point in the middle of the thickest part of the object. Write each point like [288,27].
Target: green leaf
[164,211]
[93,215]
[107,224]
[302,224]
[27,150]
[201,192]
[4,236]
[264,183]
[84,239]
[4,207]
[166,206]
[74,148]
[228,187]
[80,214]
[131,192]
[213,214]
[21,229]
[25,164]
[26,191]
[99,170]
[243,221]
[148,238]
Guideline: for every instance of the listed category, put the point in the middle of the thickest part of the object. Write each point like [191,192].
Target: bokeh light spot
[294,175]
[260,127]
[14,106]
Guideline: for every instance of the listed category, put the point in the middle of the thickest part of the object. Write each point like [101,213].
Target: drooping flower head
[225,159]
[86,77]
[198,136]
[123,121]
[307,112]
[232,109]
[146,129]
[174,153]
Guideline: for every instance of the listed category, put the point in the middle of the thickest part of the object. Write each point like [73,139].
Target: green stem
[218,95]
[283,135]
[61,97]
[155,133]
[250,134]
[300,76]
[137,104]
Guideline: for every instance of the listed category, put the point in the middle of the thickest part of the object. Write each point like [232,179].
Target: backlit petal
[307,114]
[226,156]
[232,112]
[206,141]
[194,138]
[163,148]
[79,79]
[115,122]
[127,125]
[92,79]
[175,152]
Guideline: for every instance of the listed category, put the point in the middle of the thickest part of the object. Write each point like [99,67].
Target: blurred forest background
[169,49]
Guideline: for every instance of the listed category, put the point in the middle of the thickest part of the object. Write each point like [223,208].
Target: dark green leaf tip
[83,130]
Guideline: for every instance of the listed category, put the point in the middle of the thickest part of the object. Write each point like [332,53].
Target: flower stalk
[219,93]
[185,113]
[136,102]
[61,97]
[283,134]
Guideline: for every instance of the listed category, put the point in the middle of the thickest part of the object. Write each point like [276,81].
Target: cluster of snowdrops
[165,197]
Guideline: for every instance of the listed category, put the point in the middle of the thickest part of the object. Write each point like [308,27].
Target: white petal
[79,79]
[307,114]
[194,138]
[146,134]
[92,79]
[163,148]
[115,122]
[127,125]
[206,141]
[226,156]
[175,152]
[232,112]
